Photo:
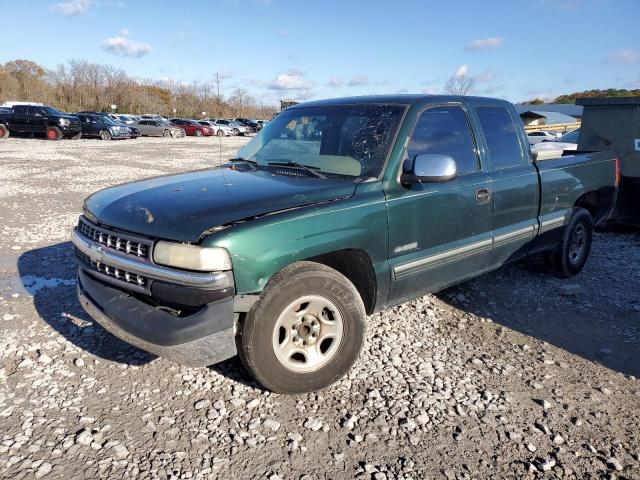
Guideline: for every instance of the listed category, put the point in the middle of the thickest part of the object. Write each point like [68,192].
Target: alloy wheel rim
[307,334]
[577,244]
[51,133]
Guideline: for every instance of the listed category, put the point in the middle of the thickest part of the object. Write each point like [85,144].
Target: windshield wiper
[312,171]
[252,163]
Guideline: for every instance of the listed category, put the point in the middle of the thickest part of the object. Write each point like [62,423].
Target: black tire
[198,133]
[255,345]
[569,257]
[166,133]
[220,133]
[4,132]
[53,133]
[105,135]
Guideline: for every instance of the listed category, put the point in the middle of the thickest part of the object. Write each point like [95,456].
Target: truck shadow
[49,274]
[602,332]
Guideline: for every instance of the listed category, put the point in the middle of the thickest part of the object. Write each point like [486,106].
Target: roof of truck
[404,99]
[608,101]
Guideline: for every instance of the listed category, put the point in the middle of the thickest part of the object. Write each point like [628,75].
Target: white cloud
[484,44]
[487,76]
[123,46]
[462,71]
[624,56]
[292,80]
[335,82]
[358,81]
[72,7]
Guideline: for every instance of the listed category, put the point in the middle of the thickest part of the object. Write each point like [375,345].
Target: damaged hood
[182,207]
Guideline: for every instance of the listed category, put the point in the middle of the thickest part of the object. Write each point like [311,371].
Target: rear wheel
[105,135]
[306,330]
[53,133]
[166,133]
[220,133]
[198,133]
[4,131]
[571,254]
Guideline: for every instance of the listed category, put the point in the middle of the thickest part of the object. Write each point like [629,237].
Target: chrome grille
[113,272]
[113,240]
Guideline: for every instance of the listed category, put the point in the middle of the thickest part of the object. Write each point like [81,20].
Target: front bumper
[187,317]
[197,340]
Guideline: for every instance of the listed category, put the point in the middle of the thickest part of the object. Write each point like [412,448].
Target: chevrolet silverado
[337,209]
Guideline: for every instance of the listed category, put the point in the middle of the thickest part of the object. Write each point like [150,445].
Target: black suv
[36,119]
[97,124]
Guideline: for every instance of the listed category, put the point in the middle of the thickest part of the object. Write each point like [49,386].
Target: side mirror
[431,167]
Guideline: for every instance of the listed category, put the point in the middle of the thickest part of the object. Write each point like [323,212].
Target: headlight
[192,257]
[64,122]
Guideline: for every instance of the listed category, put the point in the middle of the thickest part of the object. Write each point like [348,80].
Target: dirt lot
[512,375]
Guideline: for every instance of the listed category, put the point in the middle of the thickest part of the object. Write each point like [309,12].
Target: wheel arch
[599,203]
[356,265]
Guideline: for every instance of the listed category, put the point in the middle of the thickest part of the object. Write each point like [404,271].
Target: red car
[191,127]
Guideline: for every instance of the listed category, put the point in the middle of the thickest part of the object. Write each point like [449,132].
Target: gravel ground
[513,375]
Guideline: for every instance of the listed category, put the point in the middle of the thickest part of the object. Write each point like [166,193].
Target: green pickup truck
[335,210]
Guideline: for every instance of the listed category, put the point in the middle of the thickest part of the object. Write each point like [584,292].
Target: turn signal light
[617,179]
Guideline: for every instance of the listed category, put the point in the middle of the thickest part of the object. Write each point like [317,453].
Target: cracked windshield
[340,140]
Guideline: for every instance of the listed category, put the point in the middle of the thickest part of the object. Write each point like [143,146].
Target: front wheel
[105,135]
[198,133]
[53,133]
[570,256]
[166,133]
[306,330]
[220,133]
[4,132]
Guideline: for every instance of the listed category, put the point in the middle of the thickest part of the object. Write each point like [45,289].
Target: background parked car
[219,130]
[235,126]
[568,141]
[36,119]
[153,128]
[126,119]
[251,125]
[192,128]
[95,124]
[537,137]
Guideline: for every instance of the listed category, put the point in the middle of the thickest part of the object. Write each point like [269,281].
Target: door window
[445,130]
[502,137]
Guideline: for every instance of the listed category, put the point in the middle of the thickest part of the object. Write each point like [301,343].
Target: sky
[298,49]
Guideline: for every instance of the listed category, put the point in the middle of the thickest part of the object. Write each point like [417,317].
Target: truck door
[440,233]
[37,120]
[515,183]
[19,120]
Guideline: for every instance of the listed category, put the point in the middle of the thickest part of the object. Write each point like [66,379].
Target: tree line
[571,97]
[81,85]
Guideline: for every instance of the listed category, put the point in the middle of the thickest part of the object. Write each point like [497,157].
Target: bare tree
[459,85]
[81,85]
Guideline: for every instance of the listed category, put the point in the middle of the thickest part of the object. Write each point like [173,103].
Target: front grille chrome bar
[98,254]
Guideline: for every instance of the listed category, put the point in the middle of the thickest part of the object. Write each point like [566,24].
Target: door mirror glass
[431,167]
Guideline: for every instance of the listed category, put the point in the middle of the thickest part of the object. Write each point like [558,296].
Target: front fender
[261,247]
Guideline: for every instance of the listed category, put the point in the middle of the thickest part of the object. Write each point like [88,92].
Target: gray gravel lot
[513,375]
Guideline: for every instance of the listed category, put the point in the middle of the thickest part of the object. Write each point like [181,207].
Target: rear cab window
[502,137]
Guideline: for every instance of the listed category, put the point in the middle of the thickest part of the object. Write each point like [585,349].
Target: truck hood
[182,207]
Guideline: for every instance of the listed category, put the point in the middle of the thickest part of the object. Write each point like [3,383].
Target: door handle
[483,195]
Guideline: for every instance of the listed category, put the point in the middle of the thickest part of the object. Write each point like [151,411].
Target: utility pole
[218,106]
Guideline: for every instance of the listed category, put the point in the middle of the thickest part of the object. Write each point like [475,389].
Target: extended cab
[39,119]
[335,210]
